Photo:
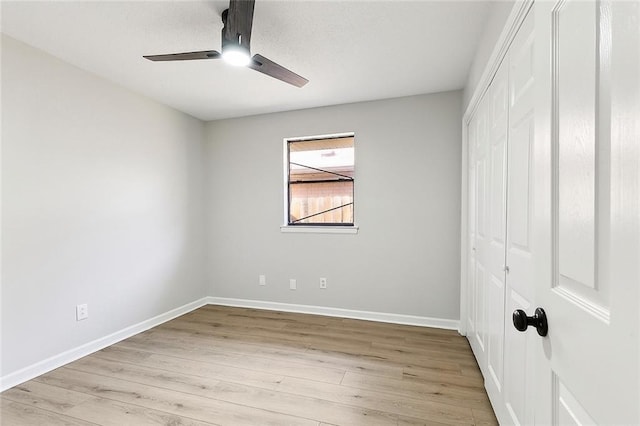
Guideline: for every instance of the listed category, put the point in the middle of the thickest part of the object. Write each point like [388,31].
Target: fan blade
[239,22]
[270,68]
[187,56]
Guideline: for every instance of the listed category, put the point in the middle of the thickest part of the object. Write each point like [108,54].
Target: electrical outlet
[82,312]
[262,280]
[292,284]
[323,283]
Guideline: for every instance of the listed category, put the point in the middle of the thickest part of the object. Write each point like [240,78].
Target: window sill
[319,229]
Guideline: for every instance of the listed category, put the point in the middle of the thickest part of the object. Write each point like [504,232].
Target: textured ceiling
[350,51]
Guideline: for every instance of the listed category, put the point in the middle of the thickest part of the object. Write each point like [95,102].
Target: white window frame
[311,229]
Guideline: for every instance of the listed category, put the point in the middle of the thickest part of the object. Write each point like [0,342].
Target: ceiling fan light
[236,57]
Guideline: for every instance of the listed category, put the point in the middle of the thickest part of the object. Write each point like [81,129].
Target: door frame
[509,31]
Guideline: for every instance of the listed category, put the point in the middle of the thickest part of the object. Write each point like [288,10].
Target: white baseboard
[338,312]
[42,367]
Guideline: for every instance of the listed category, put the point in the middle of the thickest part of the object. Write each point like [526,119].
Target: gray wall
[498,13]
[404,260]
[101,204]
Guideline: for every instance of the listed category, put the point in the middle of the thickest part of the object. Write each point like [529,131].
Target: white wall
[404,260]
[498,13]
[101,204]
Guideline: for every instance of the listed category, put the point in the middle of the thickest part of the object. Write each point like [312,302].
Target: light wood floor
[235,366]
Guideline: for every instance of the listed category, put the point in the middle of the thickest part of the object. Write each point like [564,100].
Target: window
[320,181]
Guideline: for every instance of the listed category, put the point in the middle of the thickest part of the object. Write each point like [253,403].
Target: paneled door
[519,362]
[587,212]
[479,233]
[501,140]
[497,107]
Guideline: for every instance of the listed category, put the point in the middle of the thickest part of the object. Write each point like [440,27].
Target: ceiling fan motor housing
[230,40]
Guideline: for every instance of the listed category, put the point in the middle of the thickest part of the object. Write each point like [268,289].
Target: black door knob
[539,320]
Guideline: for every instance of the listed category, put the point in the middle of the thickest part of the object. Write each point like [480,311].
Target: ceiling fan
[236,41]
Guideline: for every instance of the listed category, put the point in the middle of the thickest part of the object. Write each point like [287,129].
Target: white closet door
[471,227]
[501,140]
[480,242]
[587,217]
[520,287]
[498,113]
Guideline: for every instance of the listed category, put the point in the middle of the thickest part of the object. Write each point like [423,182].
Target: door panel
[587,211]
[575,44]
[471,266]
[495,327]
[569,411]
[480,310]
[520,137]
[518,367]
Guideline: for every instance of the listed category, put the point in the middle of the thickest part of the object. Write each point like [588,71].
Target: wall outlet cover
[82,312]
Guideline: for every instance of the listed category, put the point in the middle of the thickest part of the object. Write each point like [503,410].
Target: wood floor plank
[429,358]
[244,315]
[335,332]
[238,366]
[229,340]
[197,368]
[421,374]
[391,403]
[47,397]
[452,341]
[381,336]
[108,412]
[484,417]
[472,371]
[17,414]
[233,329]
[84,407]
[302,406]
[181,404]
[455,349]
[256,342]
[413,354]
[176,381]
[186,348]
[444,393]
[396,329]
[435,365]
[244,320]
[409,421]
